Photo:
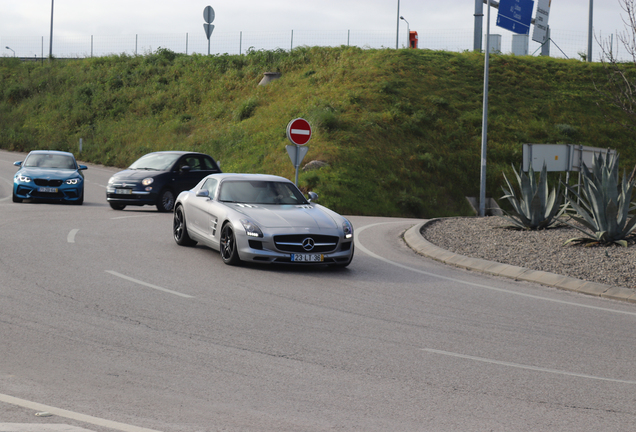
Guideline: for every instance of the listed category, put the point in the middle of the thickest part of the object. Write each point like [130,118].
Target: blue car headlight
[347,228]
[23,178]
[251,229]
[74,181]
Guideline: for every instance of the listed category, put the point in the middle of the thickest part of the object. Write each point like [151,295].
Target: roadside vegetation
[399,130]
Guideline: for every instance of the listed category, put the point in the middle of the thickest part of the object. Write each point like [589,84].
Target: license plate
[123,191]
[307,257]
[47,190]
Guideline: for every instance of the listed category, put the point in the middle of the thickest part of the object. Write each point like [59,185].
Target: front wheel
[179,229]
[117,206]
[229,251]
[16,199]
[165,201]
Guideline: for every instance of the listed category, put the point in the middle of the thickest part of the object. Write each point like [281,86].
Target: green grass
[399,129]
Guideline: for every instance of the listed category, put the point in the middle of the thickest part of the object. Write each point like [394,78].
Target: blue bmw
[49,175]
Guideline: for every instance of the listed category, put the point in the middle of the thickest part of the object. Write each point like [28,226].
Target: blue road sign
[515,15]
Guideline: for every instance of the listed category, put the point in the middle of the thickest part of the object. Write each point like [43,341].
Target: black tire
[16,199]
[179,229]
[117,206]
[165,203]
[228,249]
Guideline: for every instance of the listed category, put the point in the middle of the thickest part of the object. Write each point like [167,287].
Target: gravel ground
[487,238]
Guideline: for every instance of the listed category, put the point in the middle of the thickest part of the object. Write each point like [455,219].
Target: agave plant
[535,207]
[603,205]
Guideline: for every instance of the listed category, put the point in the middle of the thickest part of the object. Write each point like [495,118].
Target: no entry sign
[299,131]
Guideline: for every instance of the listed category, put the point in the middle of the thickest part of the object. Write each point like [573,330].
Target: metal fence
[563,44]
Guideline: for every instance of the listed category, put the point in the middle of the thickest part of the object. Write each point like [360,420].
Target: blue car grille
[47,182]
[294,243]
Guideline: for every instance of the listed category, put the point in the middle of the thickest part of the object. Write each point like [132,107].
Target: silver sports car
[261,218]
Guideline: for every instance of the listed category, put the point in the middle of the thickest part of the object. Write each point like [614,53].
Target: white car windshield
[55,161]
[155,162]
[260,192]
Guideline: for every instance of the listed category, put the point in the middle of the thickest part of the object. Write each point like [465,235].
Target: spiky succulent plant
[603,206]
[535,207]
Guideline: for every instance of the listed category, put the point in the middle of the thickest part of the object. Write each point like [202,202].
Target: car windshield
[54,161]
[155,162]
[260,192]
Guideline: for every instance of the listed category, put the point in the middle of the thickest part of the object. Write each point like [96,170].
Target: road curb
[416,241]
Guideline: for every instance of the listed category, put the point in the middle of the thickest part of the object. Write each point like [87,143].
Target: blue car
[49,175]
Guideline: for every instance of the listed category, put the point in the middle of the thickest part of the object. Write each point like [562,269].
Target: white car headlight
[251,229]
[23,178]
[347,228]
[73,181]
[147,181]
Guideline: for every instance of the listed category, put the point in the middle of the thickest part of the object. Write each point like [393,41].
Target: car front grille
[47,182]
[302,243]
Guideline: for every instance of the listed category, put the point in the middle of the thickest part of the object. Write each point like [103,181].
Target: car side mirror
[83,167]
[186,168]
[312,196]
[17,163]
[204,193]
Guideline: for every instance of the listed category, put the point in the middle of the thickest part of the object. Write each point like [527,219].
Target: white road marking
[133,216]
[73,415]
[521,366]
[70,238]
[114,273]
[371,254]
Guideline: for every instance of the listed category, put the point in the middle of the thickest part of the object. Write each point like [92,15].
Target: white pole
[397,32]
[589,32]
[51,39]
[484,123]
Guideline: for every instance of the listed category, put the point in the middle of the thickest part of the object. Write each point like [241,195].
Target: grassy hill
[400,130]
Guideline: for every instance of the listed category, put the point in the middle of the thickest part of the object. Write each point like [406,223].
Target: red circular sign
[299,131]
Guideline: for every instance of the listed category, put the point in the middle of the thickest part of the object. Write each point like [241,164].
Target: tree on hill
[620,88]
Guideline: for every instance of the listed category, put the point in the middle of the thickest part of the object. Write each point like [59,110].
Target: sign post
[299,133]
[208,16]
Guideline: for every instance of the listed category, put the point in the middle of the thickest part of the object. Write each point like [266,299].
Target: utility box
[495,44]
[520,44]
[413,39]
[560,157]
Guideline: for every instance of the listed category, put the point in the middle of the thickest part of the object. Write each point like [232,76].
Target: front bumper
[62,192]
[133,197]
[274,248]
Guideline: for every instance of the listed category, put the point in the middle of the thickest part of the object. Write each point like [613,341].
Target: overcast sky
[75,18]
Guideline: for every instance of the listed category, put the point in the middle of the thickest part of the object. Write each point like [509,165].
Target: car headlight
[73,181]
[147,181]
[347,228]
[111,180]
[23,178]
[251,229]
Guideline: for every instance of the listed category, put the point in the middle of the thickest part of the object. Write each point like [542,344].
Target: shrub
[603,205]
[535,207]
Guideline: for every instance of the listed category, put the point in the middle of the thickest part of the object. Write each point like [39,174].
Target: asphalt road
[106,324]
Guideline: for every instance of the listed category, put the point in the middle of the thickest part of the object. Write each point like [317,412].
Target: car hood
[135,174]
[283,216]
[48,173]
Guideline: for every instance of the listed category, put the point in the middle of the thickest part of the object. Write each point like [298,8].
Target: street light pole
[484,122]
[408,31]
[51,39]
[11,50]
[397,32]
